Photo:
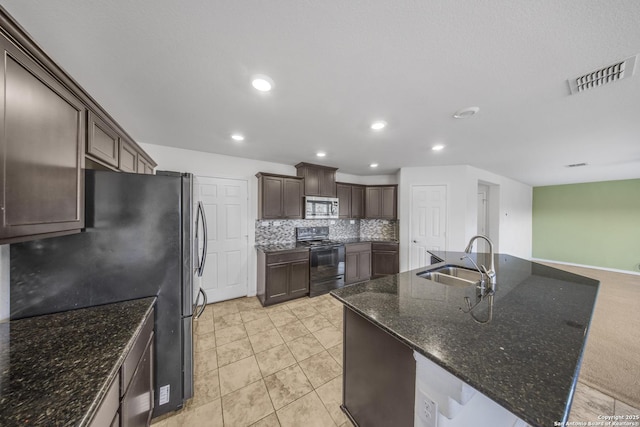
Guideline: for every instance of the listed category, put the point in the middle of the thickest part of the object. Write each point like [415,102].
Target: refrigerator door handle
[204,303]
[203,255]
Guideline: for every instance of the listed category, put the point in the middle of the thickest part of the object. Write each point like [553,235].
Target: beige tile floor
[276,366]
[281,366]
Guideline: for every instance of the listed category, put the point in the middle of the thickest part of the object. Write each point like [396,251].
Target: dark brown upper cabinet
[318,180]
[280,196]
[351,198]
[103,142]
[128,157]
[42,140]
[381,202]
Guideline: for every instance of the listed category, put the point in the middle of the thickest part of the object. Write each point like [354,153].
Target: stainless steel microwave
[320,207]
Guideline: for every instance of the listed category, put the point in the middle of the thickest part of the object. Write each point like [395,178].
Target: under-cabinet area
[87,367]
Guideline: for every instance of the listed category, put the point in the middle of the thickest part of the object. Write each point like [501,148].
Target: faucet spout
[491,272]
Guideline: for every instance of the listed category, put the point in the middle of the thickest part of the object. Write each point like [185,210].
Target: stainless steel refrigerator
[140,240]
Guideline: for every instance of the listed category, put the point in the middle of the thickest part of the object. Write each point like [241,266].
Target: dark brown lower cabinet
[129,400]
[385,259]
[378,375]
[357,262]
[282,275]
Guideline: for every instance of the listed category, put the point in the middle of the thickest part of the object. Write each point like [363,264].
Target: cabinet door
[357,201]
[144,166]
[128,158]
[137,403]
[299,278]
[388,205]
[327,182]
[312,182]
[384,263]
[102,141]
[364,266]
[277,281]
[343,192]
[42,134]
[272,197]
[292,199]
[351,267]
[373,201]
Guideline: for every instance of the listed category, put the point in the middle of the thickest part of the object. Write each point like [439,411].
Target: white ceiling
[178,74]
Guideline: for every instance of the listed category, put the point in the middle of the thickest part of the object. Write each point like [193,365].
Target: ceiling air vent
[576,165]
[608,74]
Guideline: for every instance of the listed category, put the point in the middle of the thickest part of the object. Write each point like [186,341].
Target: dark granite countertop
[366,240]
[279,247]
[55,369]
[288,246]
[527,358]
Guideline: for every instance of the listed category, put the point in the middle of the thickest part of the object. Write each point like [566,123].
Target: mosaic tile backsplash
[284,230]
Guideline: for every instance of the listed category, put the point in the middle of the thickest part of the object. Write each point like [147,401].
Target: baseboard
[595,267]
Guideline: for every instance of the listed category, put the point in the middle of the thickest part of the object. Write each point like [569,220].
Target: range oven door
[326,263]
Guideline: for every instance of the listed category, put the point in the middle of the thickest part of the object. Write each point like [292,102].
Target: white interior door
[428,222]
[226,268]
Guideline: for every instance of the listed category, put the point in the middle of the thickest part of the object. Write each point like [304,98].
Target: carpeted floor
[611,361]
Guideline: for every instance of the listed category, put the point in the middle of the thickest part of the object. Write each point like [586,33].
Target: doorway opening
[488,204]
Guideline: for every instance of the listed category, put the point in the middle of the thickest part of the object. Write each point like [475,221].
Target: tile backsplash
[284,230]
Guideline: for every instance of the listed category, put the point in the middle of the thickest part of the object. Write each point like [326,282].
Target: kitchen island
[523,352]
[59,369]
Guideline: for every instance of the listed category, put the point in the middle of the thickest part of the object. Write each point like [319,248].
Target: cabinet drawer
[109,406]
[377,246]
[357,247]
[275,258]
[132,359]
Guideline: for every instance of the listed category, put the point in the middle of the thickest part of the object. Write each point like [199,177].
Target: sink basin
[452,276]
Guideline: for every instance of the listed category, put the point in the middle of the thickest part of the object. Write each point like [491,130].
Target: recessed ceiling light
[373,165]
[321,154]
[237,137]
[379,125]
[262,83]
[465,113]
[437,147]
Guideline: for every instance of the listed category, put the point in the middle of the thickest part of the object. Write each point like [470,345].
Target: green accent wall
[595,224]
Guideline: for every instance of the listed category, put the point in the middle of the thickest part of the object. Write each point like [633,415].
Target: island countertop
[527,358]
[55,369]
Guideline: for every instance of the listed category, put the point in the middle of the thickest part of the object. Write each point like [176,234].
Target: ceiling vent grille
[576,165]
[603,76]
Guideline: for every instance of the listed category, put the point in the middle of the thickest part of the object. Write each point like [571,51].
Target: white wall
[4,283]
[220,166]
[514,198]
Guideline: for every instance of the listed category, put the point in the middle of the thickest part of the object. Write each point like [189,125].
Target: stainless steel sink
[453,276]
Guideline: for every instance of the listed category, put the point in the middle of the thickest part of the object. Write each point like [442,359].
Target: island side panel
[378,375]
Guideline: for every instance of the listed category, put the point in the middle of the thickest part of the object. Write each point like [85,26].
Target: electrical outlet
[427,410]
[430,410]
[353,221]
[276,223]
[265,223]
[385,222]
[165,392]
[332,222]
